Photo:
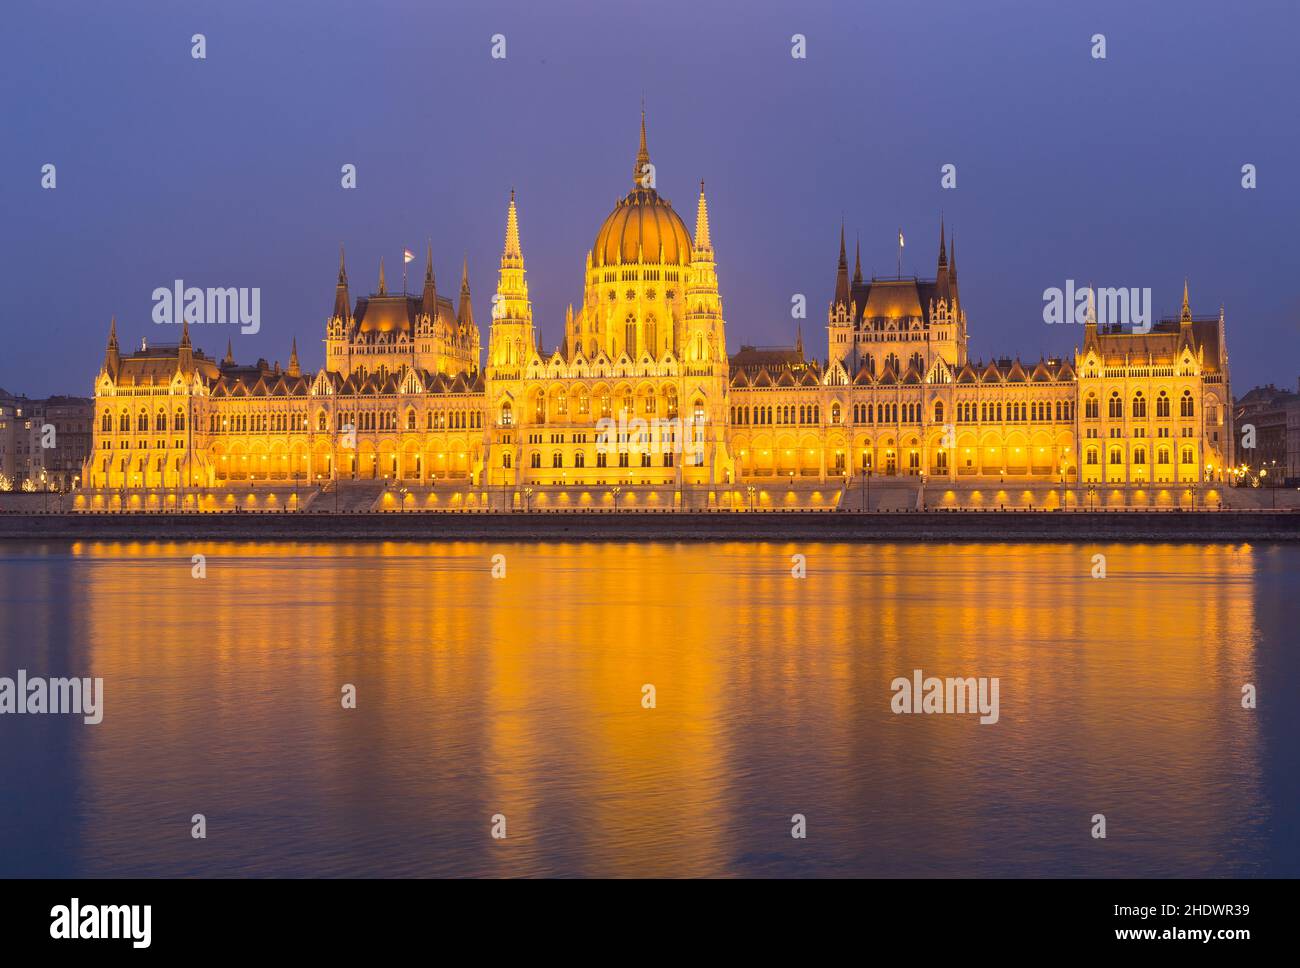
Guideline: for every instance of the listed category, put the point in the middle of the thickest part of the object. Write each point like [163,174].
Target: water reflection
[522,696]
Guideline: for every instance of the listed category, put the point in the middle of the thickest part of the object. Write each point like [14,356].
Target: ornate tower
[512,341]
[839,318]
[704,342]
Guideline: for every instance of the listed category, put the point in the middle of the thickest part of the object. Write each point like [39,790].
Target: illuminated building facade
[641,393]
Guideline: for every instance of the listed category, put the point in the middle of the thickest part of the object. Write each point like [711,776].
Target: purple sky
[225,171]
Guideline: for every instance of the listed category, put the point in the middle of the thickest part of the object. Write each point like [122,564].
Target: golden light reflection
[521,695]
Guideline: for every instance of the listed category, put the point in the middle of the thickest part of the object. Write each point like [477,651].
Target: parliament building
[642,406]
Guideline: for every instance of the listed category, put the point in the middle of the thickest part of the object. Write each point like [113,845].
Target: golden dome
[640,223]
[636,228]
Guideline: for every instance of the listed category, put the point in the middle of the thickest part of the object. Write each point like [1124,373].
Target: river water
[508,681]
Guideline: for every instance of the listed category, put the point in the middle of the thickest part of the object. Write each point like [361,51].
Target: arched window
[557,459]
[179,422]
[535,459]
[1091,410]
[1116,406]
[629,329]
[579,459]
[507,415]
[505,458]
[835,413]
[1162,404]
[651,332]
[143,422]
[1185,405]
[106,423]
[410,419]
[938,411]
[1139,405]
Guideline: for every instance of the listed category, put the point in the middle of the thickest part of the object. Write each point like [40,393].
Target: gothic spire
[383,289]
[112,356]
[642,155]
[857,262]
[842,272]
[294,368]
[512,256]
[341,299]
[1186,316]
[465,312]
[430,300]
[702,241]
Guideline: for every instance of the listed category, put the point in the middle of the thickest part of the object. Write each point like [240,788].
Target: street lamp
[751,489]
[614,491]
[528,493]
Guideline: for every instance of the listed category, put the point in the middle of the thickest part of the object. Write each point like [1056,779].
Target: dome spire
[642,155]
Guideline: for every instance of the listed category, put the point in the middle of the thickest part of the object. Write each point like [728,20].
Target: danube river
[514,687]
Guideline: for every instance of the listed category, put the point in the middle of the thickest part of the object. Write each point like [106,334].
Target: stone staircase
[892,495]
[349,497]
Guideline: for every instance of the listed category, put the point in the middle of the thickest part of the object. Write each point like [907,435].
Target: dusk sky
[226,171]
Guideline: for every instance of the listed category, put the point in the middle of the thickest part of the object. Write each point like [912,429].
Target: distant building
[1274,416]
[25,424]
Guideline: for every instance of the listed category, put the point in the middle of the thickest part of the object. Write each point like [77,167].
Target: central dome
[641,223]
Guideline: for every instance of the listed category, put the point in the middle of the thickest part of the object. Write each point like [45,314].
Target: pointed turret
[294,368]
[185,353]
[342,304]
[857,262]
[1186,315]
[429,302]
[230,354]
[112,356]
[512,256]
[943,253]
[842,272]
[465,311]
[383,289]
[703,243]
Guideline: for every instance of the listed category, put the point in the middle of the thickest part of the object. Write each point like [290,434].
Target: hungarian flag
[408,256]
